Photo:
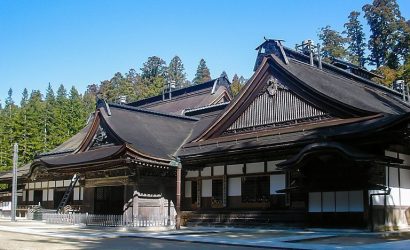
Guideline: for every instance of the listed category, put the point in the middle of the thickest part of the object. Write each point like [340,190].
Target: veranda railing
[109,220]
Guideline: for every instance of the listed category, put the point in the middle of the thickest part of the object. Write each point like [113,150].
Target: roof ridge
[333,67]
[178,90]
[207,106]
[352,81]
[148,111]
[177,98]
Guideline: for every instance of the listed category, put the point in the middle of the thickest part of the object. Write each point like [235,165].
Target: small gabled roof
[192,97]
[153,133]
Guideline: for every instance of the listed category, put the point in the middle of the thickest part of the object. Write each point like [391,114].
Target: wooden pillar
[178,199]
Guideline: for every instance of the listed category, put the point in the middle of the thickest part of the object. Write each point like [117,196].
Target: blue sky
[83,42]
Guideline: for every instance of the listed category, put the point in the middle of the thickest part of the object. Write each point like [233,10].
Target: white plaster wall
[328,202]
[30,195]
[219,170]
[24,195]
[188,189]
[45,193]
[194,173]
[277,182]
[342,201]
[59,183]
[271,165]
[235,186]
[76,195]
[404,178]
[31,185]
[206,171]
[315,202]
[51,194]
[356,201]
[82,193]
[51,184]
[234,169]
[67,183]
[44,184]
[37,185]
[206,188]
[255,167]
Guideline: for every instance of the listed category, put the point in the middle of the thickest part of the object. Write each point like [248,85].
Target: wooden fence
[108,220]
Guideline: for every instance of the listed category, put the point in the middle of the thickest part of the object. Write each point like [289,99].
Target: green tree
[176,73]
[90,98]
[77,114]
[202,73]
[224,74]
[49,119]
[385,21]
[332,43]
[153,77]
[355,39]
[153,67]
[35,136]
[236,85]
[24,98]
[61,112]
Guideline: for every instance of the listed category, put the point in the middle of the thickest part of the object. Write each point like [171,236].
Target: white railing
[108,220]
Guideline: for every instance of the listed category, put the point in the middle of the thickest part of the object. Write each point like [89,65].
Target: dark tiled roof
[153,133]
[187,98]
[101,154]
[344,90]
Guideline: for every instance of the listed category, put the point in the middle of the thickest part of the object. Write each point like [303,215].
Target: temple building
[304,142]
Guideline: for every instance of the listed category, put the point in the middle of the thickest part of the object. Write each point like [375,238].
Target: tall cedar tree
[355,39]
[332,44]
[202,73]
[235,85]
[224,74]
[176,73]
[385,21]
[153,77]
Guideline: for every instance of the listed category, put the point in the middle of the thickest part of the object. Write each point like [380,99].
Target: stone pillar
[178,198]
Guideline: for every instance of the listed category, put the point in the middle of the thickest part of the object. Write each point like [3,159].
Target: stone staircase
[244,218]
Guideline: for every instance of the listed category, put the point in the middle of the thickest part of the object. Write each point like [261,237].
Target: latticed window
[99,194]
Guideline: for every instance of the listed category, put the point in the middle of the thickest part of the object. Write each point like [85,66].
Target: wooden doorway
[109,200]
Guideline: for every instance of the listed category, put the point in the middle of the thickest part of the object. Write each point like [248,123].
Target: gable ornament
[273,86]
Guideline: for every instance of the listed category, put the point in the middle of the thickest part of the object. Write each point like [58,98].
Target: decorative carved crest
[272,87]
[38,172]
[101,138]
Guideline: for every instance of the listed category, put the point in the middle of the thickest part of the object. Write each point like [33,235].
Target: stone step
[243,217]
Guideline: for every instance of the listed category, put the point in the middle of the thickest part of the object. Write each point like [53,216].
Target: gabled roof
[129,132]
[192,97]
[345,101]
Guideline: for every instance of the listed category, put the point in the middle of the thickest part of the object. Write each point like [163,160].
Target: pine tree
[35,124]
[153,67]
[176,73]
[385,20]
[153,77]
[61,112]
[236,85]
[90,98]
[355,39]
[78,114]
[224,74]
[24,98]
[332,44]
[50,140]
[202,73]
